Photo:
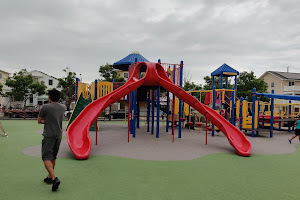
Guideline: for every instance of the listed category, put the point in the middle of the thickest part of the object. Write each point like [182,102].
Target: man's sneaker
[48,180]
[55,184]
[290,141]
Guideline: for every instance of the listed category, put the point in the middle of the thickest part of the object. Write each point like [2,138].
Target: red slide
[78,132]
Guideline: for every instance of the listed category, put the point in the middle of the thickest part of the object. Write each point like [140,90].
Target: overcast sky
[257,35]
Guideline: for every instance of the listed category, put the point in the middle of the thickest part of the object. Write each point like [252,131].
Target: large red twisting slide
[78,132]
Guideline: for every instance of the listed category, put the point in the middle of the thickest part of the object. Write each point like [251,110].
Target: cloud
[257,35]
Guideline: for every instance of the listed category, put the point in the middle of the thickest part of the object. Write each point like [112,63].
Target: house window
[272,84]
[291,83]
[31,99]
[50,82]
[125,75]
[0,75]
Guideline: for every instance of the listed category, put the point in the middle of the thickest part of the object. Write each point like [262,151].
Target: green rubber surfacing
[216,176]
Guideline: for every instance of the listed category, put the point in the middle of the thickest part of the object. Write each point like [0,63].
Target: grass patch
[216,176]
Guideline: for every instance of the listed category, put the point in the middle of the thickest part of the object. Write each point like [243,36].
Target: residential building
[287,83]
[50,81]
[124,74]
[3,76]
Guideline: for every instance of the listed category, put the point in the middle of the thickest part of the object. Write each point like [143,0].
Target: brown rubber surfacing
[112,141]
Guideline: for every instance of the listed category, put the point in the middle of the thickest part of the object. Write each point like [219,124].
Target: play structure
[87,93]
[155,75]
[255,116]
[81,103]
[223,99]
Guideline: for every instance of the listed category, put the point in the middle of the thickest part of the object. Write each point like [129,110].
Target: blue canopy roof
[125,63]
[225,70]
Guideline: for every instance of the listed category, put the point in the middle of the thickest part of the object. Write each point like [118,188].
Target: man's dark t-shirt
[53,113]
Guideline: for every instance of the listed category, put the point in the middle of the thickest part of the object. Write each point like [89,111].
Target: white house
[50,81]
[3,76]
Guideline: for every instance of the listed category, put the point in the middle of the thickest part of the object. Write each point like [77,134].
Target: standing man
[51,115]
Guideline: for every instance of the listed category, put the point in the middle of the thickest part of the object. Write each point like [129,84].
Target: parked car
[118,114]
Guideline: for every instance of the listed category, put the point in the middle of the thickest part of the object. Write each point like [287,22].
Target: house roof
[125,63]
[43,73]
[4,71]
[283,75]
[225,70]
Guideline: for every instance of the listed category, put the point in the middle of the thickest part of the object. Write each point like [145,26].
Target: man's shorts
[297,132]
[50,147]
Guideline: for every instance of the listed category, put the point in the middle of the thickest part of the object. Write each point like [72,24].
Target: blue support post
[263,118]
[96,86]
[290,113]
[214,98]
[272,115]
[76,89]
[180,101]
[235,92]
[221,87]
[168,110]
[158,111]
[134,111]
[241,113]
[138,108]
[148,110]
[253,112]
[279,124]
[153,103]
[214,107]
[180,118]
[258,110]
[221,81]
[232,108]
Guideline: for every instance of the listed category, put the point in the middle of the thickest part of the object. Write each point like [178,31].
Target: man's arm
[41,120]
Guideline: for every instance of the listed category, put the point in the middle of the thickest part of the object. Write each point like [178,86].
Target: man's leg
[50,168]
[53,164]
[293,137]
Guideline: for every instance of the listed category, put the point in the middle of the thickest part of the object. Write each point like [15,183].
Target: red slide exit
[78,132]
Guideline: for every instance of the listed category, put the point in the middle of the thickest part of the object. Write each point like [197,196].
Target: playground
[141,169]
[205,153]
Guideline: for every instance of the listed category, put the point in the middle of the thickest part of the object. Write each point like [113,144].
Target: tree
[108,73]
[193,87]
[186,76]
[208,83]
[23,85]
[68,87]
[246,82]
